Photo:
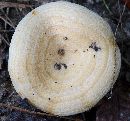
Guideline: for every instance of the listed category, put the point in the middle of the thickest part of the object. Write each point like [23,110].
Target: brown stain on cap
[34,12]
[61,52]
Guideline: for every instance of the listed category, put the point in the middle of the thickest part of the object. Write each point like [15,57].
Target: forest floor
[115,106]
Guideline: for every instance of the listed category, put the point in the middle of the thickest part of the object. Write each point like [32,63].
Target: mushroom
[63,58]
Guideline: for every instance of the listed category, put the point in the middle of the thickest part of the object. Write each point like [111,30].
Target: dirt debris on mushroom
[73,78]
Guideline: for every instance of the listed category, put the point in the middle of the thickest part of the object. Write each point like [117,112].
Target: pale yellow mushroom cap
[63,58]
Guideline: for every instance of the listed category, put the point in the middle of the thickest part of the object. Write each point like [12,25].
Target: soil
[115,106]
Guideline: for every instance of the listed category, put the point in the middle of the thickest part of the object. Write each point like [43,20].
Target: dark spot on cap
[61,52]
[94,46]
[84,51]
[65,66]
[73,64]
[65,38]
[71,86]
[33,93]
[55,82]
[94,56]
[50,54]
[49,98]
[57,66]
[87,49]
[45,32]
[75,50]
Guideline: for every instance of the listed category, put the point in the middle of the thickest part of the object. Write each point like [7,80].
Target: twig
[6,31]
[104,2]
[15,5]
[126,61]
[17,9]
[120,19]
[5,40]
[33,112]
[119,9]
[7,22]
[7,17]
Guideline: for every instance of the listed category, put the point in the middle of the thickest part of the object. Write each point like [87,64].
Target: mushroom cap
[63,58]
